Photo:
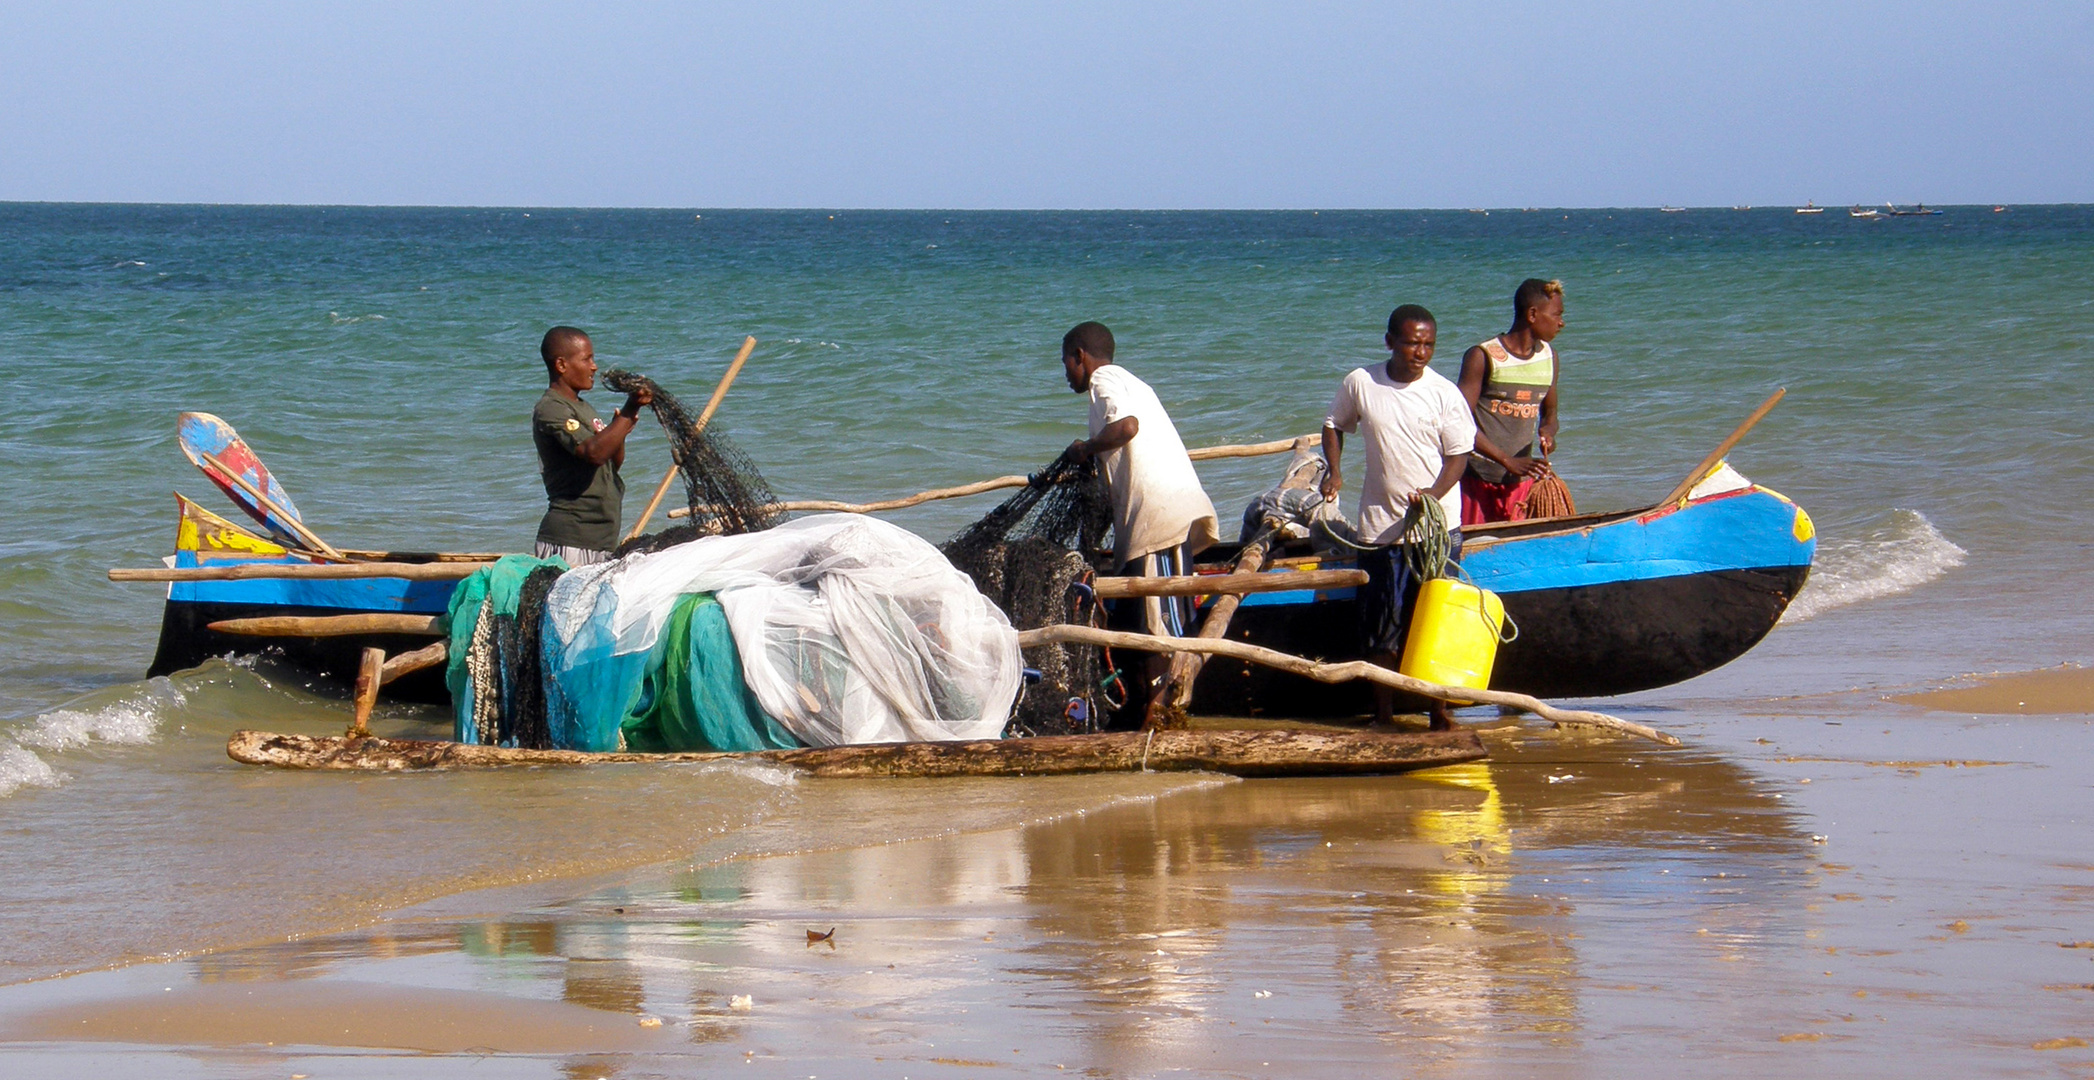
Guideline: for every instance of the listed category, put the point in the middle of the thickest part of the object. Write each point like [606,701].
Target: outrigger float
[1604,604]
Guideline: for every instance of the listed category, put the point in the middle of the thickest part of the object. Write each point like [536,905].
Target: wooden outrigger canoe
[1604,604]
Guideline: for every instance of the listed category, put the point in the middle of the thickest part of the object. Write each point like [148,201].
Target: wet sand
[1798,890]
[2067,690]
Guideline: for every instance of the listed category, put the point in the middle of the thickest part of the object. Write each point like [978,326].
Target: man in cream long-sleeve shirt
[1161,517]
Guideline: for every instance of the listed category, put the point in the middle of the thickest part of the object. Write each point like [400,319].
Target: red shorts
[1483,502]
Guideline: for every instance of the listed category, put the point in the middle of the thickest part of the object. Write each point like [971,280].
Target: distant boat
[1741,208]
[1999,209]
[1810,207]
[1672,209]
[1890,210]
[1863,212]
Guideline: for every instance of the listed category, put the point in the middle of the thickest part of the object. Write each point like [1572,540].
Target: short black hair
[1090,337]
[1531,293]
[556,343]
[1409,313]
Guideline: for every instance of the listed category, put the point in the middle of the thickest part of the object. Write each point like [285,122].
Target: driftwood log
[1238,753]
[1332,673]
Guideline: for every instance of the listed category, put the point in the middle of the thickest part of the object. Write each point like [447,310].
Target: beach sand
[2068,690]
[1576,901]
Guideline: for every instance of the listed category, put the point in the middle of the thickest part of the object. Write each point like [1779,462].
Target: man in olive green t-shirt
[578,454]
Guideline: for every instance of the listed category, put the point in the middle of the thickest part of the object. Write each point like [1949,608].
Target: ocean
[383,362]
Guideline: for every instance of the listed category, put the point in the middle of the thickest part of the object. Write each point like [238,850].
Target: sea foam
[129,720]
[1903,553]
[19,769]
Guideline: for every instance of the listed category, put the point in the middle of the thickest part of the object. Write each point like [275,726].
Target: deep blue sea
[383,362]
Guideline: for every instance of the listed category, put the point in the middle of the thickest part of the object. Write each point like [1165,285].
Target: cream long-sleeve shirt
[1157,501]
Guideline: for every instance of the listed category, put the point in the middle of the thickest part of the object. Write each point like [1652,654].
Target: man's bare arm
[1333,445]
[1110,438]
[609,444]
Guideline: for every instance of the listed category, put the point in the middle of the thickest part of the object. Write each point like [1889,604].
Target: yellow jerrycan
[1453,638]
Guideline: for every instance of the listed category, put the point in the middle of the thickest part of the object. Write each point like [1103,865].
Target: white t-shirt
[1410,429]
[1157,501]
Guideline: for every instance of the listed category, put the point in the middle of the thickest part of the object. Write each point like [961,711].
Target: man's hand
[1527,468]
[1547,437]
[1080,451]
[1331,484]
[637,400]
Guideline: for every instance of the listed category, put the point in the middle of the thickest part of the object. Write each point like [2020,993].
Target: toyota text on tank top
[1508,411]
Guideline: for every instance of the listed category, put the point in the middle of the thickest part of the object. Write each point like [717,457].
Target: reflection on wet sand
[1439,914]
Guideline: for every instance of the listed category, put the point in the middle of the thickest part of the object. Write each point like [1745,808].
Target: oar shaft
[1715,457]
[712,405]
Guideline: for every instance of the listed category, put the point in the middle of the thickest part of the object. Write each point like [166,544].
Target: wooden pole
[1715,458]
[321,571]
[1239,753]
[1116,588]
[1204,453]
[1252,558]
[407,663]
[370,674]
[1277,446]
[311,538]
[1331,673]
[328,625]
[720,391]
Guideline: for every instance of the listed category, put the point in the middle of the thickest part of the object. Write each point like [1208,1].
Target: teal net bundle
[1034,556]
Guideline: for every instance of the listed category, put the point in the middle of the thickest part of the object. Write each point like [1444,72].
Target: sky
[1128,105]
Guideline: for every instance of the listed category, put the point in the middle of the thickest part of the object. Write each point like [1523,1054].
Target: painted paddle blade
[202,433]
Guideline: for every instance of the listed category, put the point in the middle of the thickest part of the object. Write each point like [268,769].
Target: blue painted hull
[1608,604]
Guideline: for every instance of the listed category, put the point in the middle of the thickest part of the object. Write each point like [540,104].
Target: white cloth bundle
[850,630]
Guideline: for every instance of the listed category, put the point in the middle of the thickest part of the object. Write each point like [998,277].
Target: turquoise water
[383,362]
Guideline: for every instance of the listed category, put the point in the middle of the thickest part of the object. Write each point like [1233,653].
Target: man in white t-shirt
[1161,516]
[1418,434]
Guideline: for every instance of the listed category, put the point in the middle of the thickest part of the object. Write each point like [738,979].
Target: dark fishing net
[722,488]
[1034,556]
[510,710]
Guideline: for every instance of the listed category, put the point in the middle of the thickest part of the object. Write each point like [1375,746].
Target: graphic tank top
[1508,411]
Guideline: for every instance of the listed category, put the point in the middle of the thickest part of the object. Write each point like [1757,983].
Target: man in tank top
[1161,516]
[1510,384]
[1418,435]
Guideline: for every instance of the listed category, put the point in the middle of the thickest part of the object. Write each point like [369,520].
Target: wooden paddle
[1715,458]
[311,538]
[720,391]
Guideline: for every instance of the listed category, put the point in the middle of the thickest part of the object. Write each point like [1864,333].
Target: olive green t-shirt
[582,500]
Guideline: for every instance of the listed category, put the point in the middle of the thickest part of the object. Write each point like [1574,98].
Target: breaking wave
[1903,553]
[130,720]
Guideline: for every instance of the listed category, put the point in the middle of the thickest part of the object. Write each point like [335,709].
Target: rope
[1550,497]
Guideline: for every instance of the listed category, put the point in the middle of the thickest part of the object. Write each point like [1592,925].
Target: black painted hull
[1581,641]
[186,640]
